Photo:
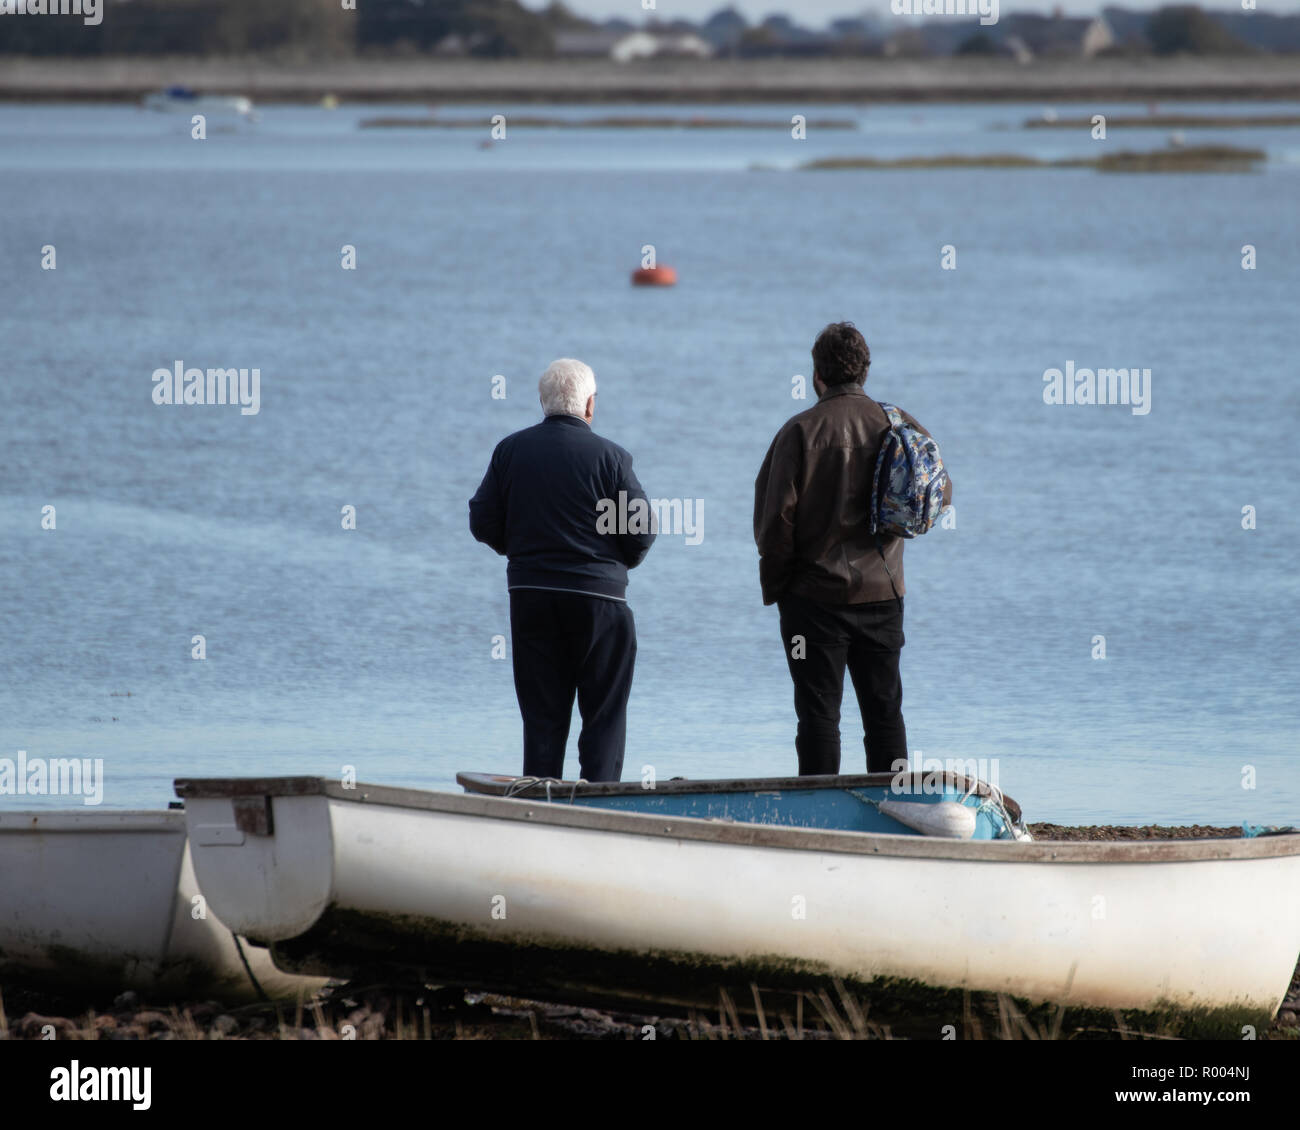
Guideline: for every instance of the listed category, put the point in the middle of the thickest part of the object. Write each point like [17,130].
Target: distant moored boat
[654,276]
[184,99]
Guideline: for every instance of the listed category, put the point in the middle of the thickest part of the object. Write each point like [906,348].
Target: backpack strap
[896,422]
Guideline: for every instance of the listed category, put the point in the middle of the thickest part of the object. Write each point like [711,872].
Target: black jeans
[819,640]
[565,644]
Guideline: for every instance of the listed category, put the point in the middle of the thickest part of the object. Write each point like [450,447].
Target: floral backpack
[907,488]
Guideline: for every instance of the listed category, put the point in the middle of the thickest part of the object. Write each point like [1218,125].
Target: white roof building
[623,46]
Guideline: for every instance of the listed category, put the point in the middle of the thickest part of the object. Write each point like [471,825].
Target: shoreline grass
[388,1012]
[1190,159]
[1172,121]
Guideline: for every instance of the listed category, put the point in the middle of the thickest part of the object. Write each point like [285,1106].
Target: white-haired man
[540,505]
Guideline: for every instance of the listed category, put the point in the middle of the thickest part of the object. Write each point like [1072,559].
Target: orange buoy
[654,276]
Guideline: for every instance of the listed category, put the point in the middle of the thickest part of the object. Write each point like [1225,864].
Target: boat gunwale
[564,791]
[558,813]
[89,818]
[478,784]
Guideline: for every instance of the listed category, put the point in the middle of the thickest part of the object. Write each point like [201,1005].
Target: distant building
[451,45]
[588,44]
[1057,37]
[623,46]
[650,45]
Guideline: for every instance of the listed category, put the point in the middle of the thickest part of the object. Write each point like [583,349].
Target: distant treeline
[187,27]
[497,28]
[307,27]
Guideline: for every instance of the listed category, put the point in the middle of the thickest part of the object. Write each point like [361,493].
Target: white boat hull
[451,883]
[108,900]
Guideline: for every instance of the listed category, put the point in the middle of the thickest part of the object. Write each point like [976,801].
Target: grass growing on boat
[377,948]
[893,1009]
[95,973]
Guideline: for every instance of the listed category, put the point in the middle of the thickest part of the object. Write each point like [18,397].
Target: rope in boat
[995,804]
[261,992]
[523,784]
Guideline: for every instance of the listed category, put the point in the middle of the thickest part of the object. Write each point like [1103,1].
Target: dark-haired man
[838,587]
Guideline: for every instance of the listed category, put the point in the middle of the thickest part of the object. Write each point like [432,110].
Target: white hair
[565,388]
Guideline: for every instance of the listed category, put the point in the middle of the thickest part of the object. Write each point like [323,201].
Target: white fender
[946,818]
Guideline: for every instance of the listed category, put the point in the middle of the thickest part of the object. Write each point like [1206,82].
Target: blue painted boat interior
[838,809]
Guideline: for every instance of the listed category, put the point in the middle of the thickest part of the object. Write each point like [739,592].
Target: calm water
[373,647]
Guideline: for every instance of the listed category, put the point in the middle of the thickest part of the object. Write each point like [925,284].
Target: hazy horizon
[818,13]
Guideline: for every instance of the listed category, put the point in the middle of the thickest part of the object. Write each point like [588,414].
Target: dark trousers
[567,644]
[866,637]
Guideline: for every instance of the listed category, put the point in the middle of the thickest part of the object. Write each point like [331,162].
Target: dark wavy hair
[840,355]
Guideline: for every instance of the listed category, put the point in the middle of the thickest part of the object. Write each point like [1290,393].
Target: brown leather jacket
[812,503]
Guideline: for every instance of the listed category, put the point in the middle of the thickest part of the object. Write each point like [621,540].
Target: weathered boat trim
[108,821]
[752,835]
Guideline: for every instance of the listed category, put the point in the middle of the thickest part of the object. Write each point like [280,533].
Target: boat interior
[839,803]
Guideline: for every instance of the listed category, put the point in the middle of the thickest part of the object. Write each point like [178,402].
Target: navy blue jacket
[540,504]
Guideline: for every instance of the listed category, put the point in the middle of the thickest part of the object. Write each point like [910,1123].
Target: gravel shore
[1122,832]
[449,1013]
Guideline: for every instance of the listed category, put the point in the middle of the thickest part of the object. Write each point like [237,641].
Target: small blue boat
[889,803]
